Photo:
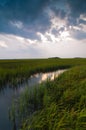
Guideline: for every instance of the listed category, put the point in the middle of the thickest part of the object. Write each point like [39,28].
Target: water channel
[8,94]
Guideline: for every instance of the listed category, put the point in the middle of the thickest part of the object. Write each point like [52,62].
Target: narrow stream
[8,94]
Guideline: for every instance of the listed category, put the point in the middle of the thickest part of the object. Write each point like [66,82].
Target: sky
[42,28]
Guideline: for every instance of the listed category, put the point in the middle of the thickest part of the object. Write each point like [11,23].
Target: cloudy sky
[42,28]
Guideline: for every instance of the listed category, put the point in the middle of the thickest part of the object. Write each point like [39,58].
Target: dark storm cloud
[72,7]
[29,12]
[34,15]
[23,9]
[77,7]
[59,12]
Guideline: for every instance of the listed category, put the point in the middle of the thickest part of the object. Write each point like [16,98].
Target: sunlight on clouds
[83,17]
[21,39]
[25,41]
[58,23]
[83,27]
[48,28]
[43,37]
[23,47]
[15,42]
[54,39]
[64,35]
[31,41]
[49,38]
[3,44]
[77,28]
[19,47]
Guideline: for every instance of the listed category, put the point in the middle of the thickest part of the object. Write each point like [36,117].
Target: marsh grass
[55,105]
[17,71]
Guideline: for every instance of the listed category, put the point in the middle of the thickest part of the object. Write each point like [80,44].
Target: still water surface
[8,94]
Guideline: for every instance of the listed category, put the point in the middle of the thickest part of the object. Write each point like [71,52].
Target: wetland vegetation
[55,105]
[52,105]
[16,71]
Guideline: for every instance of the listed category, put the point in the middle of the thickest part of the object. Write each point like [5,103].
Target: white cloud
[65,36]
[83,17]
[58,23]
[83,27]
[3,44]
[77,28]
[60,44]
[54,39]
[43,37]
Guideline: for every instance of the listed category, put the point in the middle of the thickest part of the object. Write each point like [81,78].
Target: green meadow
[53,105]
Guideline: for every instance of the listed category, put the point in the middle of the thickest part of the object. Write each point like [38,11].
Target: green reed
[55,105]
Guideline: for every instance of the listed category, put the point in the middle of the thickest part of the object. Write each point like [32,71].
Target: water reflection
[38,78]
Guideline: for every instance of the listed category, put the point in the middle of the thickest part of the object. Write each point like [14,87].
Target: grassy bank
[16,71]
[55,105]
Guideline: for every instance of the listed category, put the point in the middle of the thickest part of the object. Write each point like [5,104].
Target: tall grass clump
[30,101]
[55,105]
